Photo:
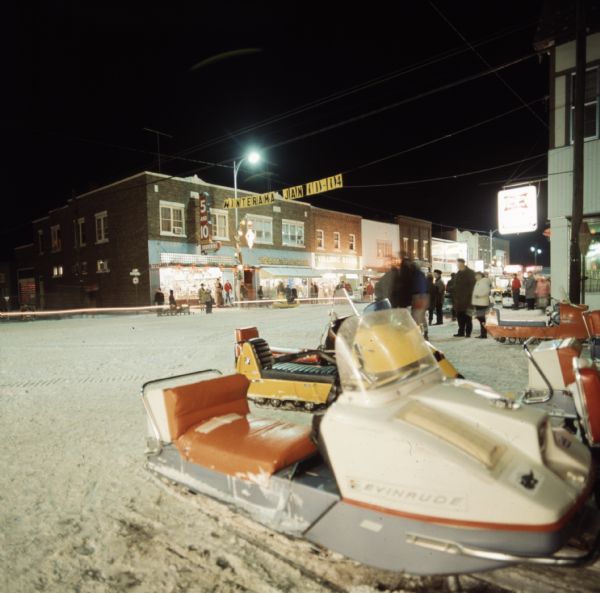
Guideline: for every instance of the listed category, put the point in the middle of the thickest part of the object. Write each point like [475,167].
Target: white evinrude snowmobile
[406,471]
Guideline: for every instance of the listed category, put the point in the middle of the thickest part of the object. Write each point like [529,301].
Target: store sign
[204,219]
[329,261]
[282,261]
[289,193]
[517,210]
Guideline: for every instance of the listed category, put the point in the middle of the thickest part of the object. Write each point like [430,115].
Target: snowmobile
[405,471]
[566,322]
[304,380]
[567,385]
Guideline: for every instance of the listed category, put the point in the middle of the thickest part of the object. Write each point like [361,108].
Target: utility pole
[577,208]
[158,135]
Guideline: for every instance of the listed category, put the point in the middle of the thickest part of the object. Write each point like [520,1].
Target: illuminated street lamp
[536,251]
[242,229]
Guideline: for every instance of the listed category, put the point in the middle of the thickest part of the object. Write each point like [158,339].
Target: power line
[346,92]
[445,136]
[403,101]
[486,63]
[446,177]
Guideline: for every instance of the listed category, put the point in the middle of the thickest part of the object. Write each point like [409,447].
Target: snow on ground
[78,511]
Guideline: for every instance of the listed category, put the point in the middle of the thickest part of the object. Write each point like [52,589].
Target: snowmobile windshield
[381,348]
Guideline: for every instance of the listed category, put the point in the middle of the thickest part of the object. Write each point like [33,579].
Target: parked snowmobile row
[406,470]
[568,322]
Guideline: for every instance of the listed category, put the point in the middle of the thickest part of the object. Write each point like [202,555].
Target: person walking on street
[542,292]
[515,286]
[159,300]
[481,300]
[450,293]
[437,295]
[530,285]
[219,293]
[227,288]
[462,294]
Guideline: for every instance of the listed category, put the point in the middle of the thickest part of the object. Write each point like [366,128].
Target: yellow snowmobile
[301,379]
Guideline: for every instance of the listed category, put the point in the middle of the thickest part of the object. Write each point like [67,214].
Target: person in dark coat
[436,298]
[450,292]
[464,282]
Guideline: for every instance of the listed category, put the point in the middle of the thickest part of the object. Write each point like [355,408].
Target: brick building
[415,239]
[148,227]
[337,249]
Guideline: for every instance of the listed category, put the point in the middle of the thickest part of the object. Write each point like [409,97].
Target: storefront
[334,269]
[184,273]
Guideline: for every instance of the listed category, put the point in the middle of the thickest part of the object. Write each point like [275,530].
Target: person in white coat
[481,300]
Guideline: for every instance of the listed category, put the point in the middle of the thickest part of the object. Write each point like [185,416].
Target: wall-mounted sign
[204,226]
[517,210]
[289,193]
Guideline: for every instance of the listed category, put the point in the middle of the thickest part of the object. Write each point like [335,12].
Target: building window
[405,250]
[55,237]
[102,266]
[415,250]
[320,239]
[219,224]
[262,227]
[101,227]
[80,268]
[590,105]
[79,232]
[57,272]
[171,219]
[384,249]
[292,233]
[336,240]
[426,250]
[40,242]
[352,242]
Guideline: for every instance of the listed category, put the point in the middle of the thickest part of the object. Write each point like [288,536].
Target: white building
[560,162]
[380,247]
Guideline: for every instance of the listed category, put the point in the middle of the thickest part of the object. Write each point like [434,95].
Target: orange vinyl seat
[210,426]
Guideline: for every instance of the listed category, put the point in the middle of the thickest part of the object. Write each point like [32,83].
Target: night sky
[397,96]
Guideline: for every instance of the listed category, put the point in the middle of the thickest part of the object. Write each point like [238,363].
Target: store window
[336,240]
[263,228]
[219,224]
[55,237]
[592,259]
[590,105]
[320,239]
[171,219]
[352,242]
[292,233]
[384,249]
[101,227]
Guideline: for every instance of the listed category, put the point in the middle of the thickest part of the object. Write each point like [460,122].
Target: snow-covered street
[78,511]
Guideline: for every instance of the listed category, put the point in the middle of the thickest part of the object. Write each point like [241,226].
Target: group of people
[205,297]
[469,292]
[536,290]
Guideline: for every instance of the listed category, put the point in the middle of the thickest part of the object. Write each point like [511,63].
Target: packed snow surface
[80,513]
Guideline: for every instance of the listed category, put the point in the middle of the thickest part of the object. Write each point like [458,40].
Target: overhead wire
[485,62]
[346,92]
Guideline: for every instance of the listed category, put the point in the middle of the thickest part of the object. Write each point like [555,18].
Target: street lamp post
[492,233]
[536,251]
[252,158]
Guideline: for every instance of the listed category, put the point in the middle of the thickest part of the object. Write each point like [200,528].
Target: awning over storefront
[284,272]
